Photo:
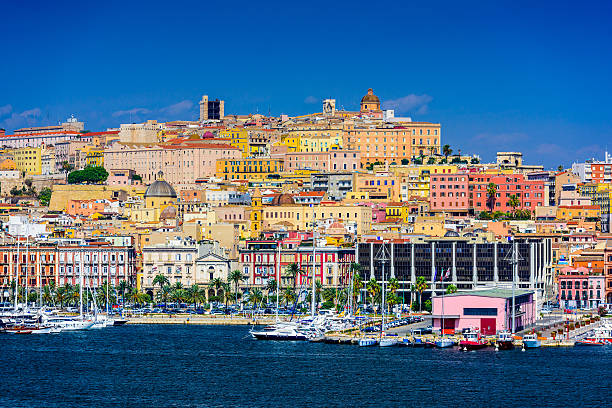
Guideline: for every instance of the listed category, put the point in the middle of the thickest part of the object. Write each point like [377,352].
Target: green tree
[560,168]
[45,196]
[235,277]
[161,280]
[139,298]
[421,286]
[450,289]
[405,162]
[513,202]
[373,289]
[393,285]
[216,284]
[288,296]
[255,297]
[447,151]
[195,295]
[271,287]
[491,194]
[293,270]
[164,294]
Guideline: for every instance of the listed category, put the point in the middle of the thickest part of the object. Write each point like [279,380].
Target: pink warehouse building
[489,310]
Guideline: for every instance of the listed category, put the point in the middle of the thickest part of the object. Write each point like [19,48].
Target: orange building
[85,207]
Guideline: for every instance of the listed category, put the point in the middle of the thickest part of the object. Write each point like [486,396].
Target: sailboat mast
[278,260]
[27,271]
[17,275]
[107,285]
[81,286]
[442,328]
[314,265]
[514,273]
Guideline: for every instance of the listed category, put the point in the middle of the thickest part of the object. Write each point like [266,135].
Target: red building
[530,193]
[260,260]
[449,193]
[46,263]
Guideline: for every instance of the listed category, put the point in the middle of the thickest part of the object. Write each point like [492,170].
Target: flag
[447,274]
[435,274]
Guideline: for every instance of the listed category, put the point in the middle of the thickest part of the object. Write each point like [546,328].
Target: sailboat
[384,341]
[444,342]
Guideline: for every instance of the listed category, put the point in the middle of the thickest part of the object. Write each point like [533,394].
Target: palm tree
[421,286]
[101,295]
[235,277]
[393,285]
[164,294]
[195,295]
[122,288]
[270,287]
[513,202]
[318,292]
[48,294]
[329,295]
[293,270]
[216,284]
[61,296]
[288,296]
[139,298]
[374,291]
[451,289]
[447,151]
[161,280]
[491,194]
[256,297]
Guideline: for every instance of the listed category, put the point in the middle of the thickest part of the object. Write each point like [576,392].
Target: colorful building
[248,168]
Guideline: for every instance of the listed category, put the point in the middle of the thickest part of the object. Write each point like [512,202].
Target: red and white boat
[602,336]
[472,341]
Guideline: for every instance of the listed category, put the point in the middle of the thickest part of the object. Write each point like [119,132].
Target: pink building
[449,193]
[530,193]
[335,160]
[121,177]
[580,288]
[488,310]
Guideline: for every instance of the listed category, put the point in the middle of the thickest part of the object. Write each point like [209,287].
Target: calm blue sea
[212,366]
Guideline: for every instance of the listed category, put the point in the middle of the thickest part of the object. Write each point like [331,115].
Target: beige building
[140,132]
[182,163]
[301,217]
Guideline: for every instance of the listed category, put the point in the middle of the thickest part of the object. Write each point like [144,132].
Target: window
[480,311]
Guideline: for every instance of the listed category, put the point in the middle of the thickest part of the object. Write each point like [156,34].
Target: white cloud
[177,108]
[311,100]
[26,118]
[134,111]
[409,103]
[500,138]
[5,110]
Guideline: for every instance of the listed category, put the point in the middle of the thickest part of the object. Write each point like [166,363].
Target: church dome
[168,213]
[370,97]
[283,199]
[160,188]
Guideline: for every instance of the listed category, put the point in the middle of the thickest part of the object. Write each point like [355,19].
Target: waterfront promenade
[199,320]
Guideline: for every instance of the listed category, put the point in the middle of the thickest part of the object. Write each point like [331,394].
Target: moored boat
[280,331]
[472,341]
[531,341]
[387,342]
[367,342]
[444,342]
[504,341]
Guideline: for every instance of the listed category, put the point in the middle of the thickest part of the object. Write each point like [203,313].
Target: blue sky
[497,75]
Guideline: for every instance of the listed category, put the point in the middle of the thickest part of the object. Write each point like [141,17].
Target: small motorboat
[444,342]
[387,342]
[280,331]
[418,342]
[531,341]
[472,341]
[587,342]
[504,341]
[367,342]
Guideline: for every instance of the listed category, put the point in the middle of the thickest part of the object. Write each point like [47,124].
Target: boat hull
[444,343]
[532,344]
[472,345]
[505,345]
[367,342]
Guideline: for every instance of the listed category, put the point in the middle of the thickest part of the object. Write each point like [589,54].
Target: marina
[215,366]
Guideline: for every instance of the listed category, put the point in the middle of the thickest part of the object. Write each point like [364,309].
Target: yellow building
[239,137]
[398,211]
[256,216]
[94,157]
[568,213]
[300,217]
[28,159]
[432,226]
[248,168]
[314,138]
[379,185]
